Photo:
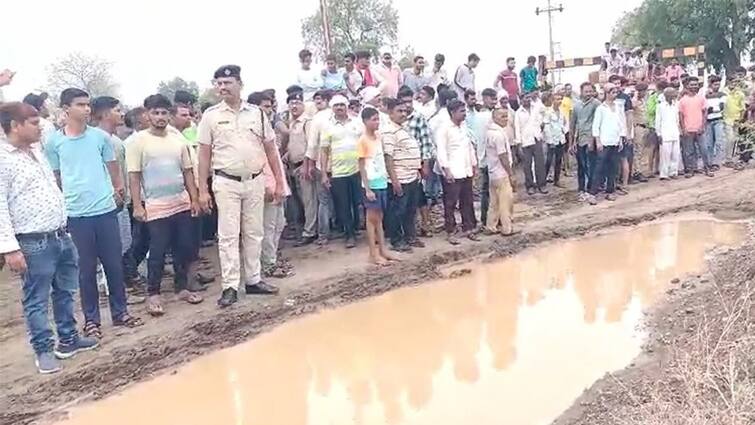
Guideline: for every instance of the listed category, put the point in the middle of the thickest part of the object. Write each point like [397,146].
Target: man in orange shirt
[691,114]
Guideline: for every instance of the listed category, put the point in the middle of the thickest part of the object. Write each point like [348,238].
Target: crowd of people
[364,147]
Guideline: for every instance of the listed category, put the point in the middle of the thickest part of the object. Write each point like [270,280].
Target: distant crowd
[366,147]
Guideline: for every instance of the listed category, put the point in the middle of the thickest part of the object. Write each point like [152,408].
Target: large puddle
[513,342]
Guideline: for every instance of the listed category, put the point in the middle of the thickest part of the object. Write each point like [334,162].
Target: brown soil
[325,280]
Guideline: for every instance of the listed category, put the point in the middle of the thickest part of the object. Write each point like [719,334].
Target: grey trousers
[534,157]
[308,191]
[693,147]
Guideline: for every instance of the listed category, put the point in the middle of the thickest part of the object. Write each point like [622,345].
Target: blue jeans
[714,139]
[584,167]
[98,237]
[606,168]
[400,219]
[52,264]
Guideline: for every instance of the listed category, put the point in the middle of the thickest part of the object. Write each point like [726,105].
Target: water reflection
[513,342]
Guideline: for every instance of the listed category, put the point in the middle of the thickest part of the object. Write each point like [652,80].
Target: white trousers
[670,158]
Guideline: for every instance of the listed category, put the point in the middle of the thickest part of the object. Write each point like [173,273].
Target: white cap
[369,93]
[338,100]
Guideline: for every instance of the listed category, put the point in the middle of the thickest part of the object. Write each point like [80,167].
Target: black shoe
[530,191]
[229,298]
[351,243]
[542,191]
[261,288]
[306,241]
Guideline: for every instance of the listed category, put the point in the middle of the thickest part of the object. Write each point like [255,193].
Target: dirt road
[327,278]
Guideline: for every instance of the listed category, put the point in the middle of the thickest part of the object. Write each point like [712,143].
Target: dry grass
[709,377]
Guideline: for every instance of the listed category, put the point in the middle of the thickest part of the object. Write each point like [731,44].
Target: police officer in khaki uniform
[235,142]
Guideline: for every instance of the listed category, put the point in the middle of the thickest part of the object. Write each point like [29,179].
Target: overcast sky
[153,40]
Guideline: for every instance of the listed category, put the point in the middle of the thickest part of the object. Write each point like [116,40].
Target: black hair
[351,56]
[489,93]
[205,106]
[586,84]
[294,89]
[714,79]
[324,93]
[102,104]
[442,87]
[469,93]
[68,95]
[440,57]
[157,101]
[368,113]
[256,98]
[531,59]
[391,103]
[446,96]
[418,57]
[354,102]
[270,92]
[132,117]
[455,105]
[661,85]
[304,53]
[15,111]
[473,58]
[429,90]
[331,57]
[362,54]
[510,58]
[184,97]
[405,92]
[739,69]
[35,100]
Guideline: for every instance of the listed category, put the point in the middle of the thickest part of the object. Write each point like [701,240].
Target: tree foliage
[355,25]
[90,73]
[406,58]
[726,27]
[170,87]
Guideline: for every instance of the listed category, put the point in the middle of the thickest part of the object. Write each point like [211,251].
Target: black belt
[297,165]
[57,234]
[716,119]
[222,173]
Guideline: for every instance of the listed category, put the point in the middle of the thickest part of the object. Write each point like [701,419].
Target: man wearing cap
[236,140]
[389,76]
[38,101]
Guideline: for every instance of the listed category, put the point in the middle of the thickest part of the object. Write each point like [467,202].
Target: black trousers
[401,217]
[137,252]
[606,168]
[555,157]
[533,154]
[458,193]
[177,233]
[347,197]
[484,195]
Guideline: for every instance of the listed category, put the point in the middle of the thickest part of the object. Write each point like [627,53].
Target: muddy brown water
[515,342]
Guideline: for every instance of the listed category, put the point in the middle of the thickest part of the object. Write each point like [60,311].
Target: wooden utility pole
[326,26]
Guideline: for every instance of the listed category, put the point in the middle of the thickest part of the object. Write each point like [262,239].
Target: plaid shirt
[420,131]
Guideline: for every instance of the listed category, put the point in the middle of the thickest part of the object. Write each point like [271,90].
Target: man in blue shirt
[528,75]
[86,169]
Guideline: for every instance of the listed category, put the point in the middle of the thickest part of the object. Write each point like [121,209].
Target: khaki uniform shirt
[297,139]
[236,138]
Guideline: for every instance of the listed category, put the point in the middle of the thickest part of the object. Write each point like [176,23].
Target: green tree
[89,73]
[406,59]
[354,25]
[170,87]
[725,27]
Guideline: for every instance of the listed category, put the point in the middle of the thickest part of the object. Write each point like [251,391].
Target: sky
[152,40]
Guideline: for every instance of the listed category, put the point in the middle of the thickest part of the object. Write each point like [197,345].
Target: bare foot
[378,261]
[388,257]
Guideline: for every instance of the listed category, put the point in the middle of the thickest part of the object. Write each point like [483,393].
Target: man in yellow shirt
[567,106]
[734,110]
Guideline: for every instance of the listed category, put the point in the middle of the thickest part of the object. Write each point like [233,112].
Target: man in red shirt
[692,122]
[509,81]
[363,66]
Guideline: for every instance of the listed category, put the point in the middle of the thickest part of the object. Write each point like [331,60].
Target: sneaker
[82,343]
[47,363]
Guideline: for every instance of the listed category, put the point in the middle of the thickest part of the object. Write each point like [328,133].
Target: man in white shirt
[464,79]
[610,130]
[528,124]
[39,102]
[439,75]
[351,75]
[310,80]
[457,161]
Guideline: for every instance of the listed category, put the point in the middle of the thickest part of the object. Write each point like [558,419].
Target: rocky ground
[327,277]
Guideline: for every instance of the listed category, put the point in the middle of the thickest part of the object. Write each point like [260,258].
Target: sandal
[190,297]
[155,307]
[92,330]
[278,272]
[128,321]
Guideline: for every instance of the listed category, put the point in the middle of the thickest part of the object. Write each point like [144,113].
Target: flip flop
[190,297]
[155,307]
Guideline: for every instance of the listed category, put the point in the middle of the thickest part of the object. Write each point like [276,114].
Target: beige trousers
[240,212]
[501,206]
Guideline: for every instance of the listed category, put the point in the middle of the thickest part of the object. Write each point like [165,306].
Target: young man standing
[555,127]
[369,79]
[626,154]
[674,71]
[438,75]
[478,122]
[33,239]
[609,130]
[692,110]
[88,172]
[160,166]
[653,139]
[528,124]
[502,183]
[351,76]
[304,185]
[389,75]
[734,111]
[419,130]
[331,77]
[235,141]
[528,77]
[312,166]
[457,161]
[414,77]
[340,165]
[582,144]
[715,130]
[310,80]
[403,162]
[509,81]
[426,105]
[464,79]
[375,183]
